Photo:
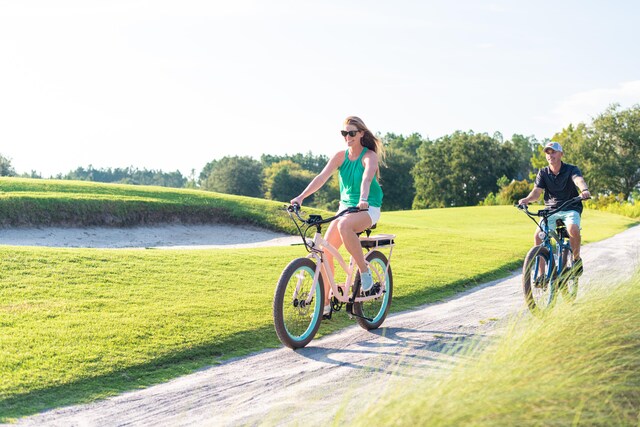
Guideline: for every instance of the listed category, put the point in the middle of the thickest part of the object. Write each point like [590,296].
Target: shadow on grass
[187,361]
[156,371]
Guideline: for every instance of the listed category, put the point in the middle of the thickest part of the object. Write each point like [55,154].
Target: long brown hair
[368,140]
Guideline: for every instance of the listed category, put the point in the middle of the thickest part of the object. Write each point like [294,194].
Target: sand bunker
[160,237]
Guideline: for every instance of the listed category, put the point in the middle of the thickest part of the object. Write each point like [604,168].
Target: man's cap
[554,146]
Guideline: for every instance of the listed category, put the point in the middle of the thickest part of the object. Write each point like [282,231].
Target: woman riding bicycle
[560,182]
[358,168]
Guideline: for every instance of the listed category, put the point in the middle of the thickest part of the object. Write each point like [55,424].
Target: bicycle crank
[351,314]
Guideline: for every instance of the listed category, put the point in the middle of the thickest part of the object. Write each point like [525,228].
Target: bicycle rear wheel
[376,309]
[538,285]
[568,280]
[298,303]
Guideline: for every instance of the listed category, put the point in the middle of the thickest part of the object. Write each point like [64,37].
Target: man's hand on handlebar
[523,202]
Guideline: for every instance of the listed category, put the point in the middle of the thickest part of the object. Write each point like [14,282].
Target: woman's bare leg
[348,227]
[333,237]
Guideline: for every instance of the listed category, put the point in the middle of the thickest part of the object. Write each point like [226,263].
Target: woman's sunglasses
[351,133]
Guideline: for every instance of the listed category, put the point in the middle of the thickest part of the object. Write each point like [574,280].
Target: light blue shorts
[569,217]
[374,213]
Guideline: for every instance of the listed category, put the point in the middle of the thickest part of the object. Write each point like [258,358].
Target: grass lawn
[80,324]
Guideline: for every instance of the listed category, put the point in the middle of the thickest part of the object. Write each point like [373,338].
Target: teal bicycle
[547,268]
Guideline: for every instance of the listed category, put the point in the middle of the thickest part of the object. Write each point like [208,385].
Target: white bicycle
[299,296]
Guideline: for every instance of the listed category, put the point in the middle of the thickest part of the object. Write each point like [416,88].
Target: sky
[172,85]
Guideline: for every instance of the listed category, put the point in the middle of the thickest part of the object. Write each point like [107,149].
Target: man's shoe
[366,281]
[577,269]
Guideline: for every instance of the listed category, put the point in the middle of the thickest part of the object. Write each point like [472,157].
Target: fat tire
[376,309]
[527,286]
[296,325]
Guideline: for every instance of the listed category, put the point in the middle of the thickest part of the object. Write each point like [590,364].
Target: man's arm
[582,187]
[532,197]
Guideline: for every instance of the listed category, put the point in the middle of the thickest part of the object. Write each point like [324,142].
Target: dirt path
[314,383]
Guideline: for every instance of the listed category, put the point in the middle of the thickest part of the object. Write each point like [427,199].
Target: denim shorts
[569,217]
[374,213]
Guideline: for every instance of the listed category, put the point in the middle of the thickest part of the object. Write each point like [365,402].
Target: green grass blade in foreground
[580,366]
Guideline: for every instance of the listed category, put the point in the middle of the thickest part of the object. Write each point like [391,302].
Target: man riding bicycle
[560,182]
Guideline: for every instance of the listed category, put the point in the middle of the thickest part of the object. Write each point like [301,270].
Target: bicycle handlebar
[314,221]
[548,212]
[317,219]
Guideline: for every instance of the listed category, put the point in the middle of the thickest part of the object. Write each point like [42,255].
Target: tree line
[460,169]
[128,175]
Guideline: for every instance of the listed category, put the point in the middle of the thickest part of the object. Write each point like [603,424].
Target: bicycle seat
[561,229]
[367,230]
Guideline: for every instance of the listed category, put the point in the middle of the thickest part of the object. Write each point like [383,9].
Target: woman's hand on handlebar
[297,201]
[585,195]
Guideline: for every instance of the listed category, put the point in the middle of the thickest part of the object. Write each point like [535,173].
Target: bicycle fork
[296,293]
[316,282]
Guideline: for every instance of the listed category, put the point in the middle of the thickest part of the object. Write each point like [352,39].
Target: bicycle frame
[319,245]
[322,268]
[299,300]
[561,243]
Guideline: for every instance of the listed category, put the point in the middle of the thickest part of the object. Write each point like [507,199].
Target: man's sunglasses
[351,133]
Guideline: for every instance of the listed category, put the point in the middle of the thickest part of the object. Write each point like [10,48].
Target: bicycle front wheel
[538,281]
[568,280]
[371,314]
[298,303]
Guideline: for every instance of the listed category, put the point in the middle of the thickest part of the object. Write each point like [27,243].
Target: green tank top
[351,172]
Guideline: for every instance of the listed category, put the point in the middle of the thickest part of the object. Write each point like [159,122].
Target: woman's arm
[370,162]
[320,179]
